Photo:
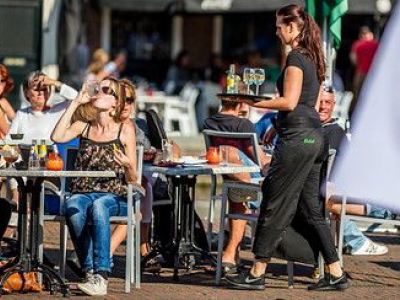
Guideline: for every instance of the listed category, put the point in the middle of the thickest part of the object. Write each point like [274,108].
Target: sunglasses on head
[329,89]
[108,91]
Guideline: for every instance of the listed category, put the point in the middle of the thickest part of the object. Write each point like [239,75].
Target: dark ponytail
[309,38]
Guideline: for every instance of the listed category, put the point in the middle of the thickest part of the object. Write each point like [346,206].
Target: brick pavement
[372,278]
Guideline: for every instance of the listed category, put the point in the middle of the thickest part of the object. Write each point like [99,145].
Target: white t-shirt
[39,125]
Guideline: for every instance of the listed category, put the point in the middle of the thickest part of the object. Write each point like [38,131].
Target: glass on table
[248,78]
[224,155]
[259,78]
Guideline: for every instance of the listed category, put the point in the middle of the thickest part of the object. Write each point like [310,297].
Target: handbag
[22,282]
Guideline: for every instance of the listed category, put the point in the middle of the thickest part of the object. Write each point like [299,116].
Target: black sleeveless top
[99,156]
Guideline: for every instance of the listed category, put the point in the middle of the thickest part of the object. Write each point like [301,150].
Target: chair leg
[129,254]
[221,234]
[63,247]
[340,243]
[137,270]
[290,271]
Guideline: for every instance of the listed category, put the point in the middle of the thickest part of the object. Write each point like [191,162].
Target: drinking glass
[259,78]
[167,148]
[248,78]
[224,155]
[92,87]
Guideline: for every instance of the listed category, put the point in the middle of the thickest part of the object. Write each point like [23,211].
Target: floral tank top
[99,156]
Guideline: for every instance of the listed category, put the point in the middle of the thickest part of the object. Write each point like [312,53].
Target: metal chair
[209,135]
[132,220]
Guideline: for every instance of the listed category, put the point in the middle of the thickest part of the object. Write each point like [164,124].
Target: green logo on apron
[308,141]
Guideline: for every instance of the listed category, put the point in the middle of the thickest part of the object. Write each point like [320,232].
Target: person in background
[231,118]
[117,66]
[7,113]
[291,187]
[354,239]
[362,54]
[107,144]
[178,74]
[95,70]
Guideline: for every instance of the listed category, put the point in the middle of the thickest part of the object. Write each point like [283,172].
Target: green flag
[331,9]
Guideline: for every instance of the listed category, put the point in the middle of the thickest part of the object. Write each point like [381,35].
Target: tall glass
[259,78]
[248,78]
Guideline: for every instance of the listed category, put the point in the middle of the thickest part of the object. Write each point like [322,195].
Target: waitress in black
[292,185]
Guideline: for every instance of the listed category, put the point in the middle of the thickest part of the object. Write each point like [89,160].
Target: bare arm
[7,109]
[128,160]
[291,92]
[64,130]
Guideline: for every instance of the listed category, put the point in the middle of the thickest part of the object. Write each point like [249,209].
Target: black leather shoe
[245,281]
[331,283]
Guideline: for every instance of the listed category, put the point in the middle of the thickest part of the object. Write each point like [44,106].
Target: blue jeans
[253,177]
[353,237]
[88,219]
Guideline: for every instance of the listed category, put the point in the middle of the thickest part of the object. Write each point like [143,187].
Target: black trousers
[292,189]
[5,215]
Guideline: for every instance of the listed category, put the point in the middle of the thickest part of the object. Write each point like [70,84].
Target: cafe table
[183,181]
[28,259]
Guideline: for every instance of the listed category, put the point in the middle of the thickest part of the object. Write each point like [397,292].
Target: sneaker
[96,286]
[331,283]
[371,248]
[245,281]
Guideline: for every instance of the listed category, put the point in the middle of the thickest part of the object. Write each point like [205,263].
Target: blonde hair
[127,84]
[99,59]
[87,113]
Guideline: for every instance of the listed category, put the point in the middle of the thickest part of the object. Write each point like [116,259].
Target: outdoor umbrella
[328,14]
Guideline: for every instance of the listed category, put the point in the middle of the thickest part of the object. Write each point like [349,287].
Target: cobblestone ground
[372,278]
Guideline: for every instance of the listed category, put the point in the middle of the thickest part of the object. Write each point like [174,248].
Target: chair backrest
[229,138]
[156,129]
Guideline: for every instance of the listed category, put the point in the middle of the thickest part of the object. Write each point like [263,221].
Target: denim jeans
[353,237]
[88,218]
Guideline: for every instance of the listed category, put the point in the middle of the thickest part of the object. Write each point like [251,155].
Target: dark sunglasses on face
[3,80]
[129,100]
[108,91]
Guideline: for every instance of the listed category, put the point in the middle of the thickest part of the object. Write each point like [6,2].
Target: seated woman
[148,181]
[107,144]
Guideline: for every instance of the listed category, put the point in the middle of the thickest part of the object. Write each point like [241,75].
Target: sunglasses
[3,80]
[108,91]
[129,100]
[329,89]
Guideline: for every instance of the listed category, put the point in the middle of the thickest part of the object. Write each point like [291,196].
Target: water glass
[224,155]
[259,78]
[167,148]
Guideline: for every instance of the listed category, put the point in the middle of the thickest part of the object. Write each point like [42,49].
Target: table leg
[27,259]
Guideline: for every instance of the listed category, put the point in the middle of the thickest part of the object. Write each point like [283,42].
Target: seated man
[354,239]
[228,120]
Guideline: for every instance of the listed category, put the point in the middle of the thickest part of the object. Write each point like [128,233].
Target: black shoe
[245,281]
[331,283]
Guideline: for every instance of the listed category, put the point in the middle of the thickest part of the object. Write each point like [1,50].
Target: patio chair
[182,112]
[209,135]
[344,216]
[135,191]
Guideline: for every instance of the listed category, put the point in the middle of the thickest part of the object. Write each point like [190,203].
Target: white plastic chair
[182,112]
